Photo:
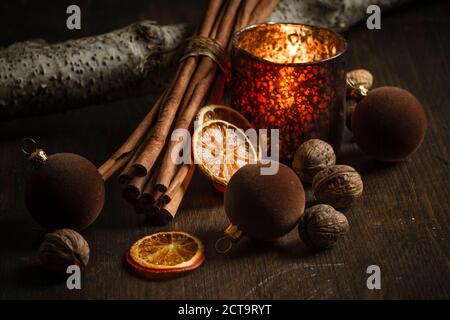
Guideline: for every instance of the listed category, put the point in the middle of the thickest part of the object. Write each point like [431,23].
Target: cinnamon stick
[133,190]
[129,172]
[149,202]
[245,13]
[124,153]
[169,109]
[245,18]
[140,191]
[169,210]
[200,84]
[261,13]
[188,94]
[175,183]
[150,194]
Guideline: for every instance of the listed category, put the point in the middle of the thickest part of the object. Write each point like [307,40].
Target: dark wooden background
[400,224]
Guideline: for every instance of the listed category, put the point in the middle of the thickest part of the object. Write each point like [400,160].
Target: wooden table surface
[401,223]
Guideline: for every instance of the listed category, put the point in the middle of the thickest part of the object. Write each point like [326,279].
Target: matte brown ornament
[64,191]
[261,206]
[389,124]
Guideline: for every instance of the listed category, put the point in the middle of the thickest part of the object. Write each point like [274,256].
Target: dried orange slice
[221,112]
[220,149]
[166,253]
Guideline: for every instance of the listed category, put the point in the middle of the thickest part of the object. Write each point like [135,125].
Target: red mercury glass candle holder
[291,77]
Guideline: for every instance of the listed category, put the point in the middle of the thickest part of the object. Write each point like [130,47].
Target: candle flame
[293,44]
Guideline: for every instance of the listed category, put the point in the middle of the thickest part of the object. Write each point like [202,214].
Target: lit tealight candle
[291,77]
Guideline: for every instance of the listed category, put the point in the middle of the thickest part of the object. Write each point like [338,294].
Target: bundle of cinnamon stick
[153,183]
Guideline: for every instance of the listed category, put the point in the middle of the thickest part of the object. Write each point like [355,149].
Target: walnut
[321,226]
[63,248]
[361,77]
[338,186]
[311,157]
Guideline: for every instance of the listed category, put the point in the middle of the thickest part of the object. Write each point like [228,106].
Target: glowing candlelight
[290,77]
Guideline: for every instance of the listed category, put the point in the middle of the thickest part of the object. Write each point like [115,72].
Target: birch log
[39,78]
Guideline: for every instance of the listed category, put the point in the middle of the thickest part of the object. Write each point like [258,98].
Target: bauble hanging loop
[28,146]
[225,243]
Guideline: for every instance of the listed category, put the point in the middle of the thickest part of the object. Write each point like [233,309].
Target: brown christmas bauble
[389,124]
[264,206]
[65,191]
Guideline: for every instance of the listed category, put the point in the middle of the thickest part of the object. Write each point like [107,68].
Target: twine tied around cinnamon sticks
[205,46]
